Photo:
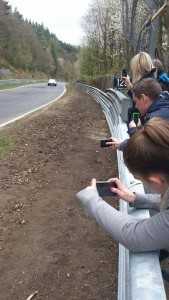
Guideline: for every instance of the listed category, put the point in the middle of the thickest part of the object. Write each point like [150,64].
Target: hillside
[31,48]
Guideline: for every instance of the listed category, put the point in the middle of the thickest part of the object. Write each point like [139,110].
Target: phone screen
[135,116]
[124,73]
[104,188]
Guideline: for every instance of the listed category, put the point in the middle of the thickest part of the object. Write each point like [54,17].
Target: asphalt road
[19,101]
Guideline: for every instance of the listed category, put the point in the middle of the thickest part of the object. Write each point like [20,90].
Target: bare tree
[116,30]
[102,26]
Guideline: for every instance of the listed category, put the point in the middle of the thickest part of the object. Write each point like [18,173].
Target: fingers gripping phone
[104,188]
[103,143]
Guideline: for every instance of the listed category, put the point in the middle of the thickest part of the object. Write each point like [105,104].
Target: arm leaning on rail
[149,201]
[136,234]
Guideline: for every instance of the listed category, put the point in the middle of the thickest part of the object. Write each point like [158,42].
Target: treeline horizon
[30,47]
[114,34]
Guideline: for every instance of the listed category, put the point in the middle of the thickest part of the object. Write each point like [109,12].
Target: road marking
[32,111]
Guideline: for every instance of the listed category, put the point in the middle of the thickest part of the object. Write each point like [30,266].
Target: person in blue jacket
[150,101]
[161,75]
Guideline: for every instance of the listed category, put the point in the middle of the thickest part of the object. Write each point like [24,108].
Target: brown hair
[147,150]
[149,87]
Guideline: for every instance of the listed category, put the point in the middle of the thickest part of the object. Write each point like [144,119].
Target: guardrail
[139,274]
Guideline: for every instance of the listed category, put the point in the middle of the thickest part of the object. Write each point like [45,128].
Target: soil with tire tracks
[47,244]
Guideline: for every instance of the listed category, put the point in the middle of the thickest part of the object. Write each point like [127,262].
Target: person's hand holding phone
[105,143]
[114,142]
[118,189]
[127,82]
[122,191]
[103,187]
[132,124]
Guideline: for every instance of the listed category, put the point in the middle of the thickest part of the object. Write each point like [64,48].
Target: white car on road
[52,82]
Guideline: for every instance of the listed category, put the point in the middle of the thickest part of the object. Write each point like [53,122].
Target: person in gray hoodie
[147,157]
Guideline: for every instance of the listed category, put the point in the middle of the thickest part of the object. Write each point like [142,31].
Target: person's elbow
[135,240]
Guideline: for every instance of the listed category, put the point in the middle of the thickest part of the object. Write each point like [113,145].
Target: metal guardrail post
[139,274]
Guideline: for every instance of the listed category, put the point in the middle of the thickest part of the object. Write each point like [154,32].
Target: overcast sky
[62,17]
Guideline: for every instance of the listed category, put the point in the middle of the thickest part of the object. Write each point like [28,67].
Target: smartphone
[104,188]
[122,83]
[103,143]
[124,73]
[135,117]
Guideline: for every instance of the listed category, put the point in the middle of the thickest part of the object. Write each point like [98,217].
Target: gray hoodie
[135,234]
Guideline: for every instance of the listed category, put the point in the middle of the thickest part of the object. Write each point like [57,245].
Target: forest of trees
[32,48]
[114,33]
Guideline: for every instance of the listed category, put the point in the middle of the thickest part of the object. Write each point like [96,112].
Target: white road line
[32,111]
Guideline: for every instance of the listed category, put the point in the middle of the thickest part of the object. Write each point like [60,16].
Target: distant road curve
[19,102]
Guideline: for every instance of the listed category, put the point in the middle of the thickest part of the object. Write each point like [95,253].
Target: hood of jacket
[164,78]
[164,204]
[159,107]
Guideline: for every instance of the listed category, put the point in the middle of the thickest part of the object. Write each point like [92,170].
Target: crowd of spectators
[146,155]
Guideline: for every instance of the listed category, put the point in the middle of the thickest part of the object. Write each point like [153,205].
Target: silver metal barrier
[139,274]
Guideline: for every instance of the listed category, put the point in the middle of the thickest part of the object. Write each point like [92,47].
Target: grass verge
[6,145]
[11,85]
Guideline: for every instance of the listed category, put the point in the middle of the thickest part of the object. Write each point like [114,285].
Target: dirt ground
[47,244]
